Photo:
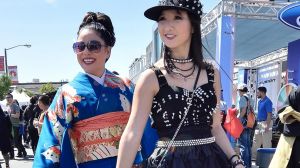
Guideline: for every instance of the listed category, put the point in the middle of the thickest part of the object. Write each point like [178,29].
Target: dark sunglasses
[92,46]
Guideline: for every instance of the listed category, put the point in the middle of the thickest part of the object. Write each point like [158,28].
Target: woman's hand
[236,161]
[35,122]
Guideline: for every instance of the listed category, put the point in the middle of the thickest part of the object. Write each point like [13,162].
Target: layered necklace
[179,72]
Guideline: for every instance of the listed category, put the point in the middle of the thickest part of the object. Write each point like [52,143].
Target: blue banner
[293,62]
[290,15]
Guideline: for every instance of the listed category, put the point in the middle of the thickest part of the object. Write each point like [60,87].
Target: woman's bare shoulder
[148,75]
[148,81]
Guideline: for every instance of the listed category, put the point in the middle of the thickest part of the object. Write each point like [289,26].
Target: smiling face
[175,29]
[92,62]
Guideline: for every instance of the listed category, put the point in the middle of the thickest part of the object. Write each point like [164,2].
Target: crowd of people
[97,121]
[260,134]
[248,142]
[100,120]
[19,127]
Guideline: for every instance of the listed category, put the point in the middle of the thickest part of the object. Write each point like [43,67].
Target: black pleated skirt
[201,156]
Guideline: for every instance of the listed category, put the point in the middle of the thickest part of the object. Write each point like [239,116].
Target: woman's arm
[40,122]
[217,130]
[242,111]
[146,88]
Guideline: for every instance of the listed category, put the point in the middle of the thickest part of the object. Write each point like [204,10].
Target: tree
[5,83]
[29,93]
[20,90]
[46,88]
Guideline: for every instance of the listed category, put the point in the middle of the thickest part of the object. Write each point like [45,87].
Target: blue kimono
[83,125]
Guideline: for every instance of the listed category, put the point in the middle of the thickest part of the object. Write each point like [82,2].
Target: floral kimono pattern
[83,126]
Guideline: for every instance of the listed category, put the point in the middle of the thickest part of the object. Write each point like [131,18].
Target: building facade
[153,54]
[34,87]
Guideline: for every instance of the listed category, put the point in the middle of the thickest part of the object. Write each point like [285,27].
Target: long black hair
[44,99]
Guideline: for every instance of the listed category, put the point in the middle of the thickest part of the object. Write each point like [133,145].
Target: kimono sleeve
[54,143]
[149,140]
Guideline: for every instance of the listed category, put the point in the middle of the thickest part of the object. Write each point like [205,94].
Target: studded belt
[192,142]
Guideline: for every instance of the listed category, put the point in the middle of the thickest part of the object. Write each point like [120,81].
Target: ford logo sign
[290,15]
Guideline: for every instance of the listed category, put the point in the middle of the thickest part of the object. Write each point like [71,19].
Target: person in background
[29,115]
[14,112]
[232,111]
[83,125]
[43,103]
[21,129]
[263,130]
[223,108]
[5,130]
[245,138]
[182,94]
[51,95]
[287,154]
[25,133]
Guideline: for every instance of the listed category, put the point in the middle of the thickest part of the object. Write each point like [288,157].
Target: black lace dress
[167,110]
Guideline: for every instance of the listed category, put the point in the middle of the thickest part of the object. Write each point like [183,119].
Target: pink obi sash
[98,137]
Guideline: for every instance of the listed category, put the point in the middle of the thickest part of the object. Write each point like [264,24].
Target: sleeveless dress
[167,111]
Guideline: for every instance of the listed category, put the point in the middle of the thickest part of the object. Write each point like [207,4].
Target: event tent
[22,98]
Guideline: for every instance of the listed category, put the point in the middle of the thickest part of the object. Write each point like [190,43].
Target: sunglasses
[92,46]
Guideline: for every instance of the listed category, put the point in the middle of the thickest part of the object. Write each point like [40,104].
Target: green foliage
[20,90]
[46,88]
[29,93]
[5,83]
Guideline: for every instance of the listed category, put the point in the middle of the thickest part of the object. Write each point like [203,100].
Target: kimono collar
[100,80]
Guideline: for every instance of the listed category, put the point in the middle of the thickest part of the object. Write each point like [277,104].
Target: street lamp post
[5,55]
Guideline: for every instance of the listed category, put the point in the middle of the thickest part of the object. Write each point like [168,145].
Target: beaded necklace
[181,61]
[172,66]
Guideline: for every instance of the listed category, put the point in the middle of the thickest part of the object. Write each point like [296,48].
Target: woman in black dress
[182,95]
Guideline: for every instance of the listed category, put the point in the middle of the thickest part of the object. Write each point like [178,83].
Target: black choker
[181,61]
[171,66]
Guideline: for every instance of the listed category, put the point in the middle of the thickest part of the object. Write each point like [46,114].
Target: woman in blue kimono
[83,125]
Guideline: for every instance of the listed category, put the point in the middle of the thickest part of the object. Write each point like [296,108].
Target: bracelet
[238,162]
[137,166]
[235,155]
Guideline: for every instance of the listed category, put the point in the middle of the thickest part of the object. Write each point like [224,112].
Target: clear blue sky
[50,26]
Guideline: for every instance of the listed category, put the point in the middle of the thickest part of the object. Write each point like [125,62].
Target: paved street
[19,162]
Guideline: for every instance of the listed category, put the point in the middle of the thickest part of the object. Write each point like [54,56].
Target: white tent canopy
[22,98]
